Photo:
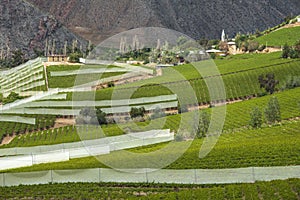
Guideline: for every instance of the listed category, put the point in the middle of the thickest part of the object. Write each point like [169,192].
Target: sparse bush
[204,122]
[256,118]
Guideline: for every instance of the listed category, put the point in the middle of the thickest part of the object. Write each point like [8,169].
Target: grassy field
[270,146]
[287,189]
[280,37]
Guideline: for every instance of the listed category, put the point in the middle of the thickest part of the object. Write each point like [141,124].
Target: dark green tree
[269,84]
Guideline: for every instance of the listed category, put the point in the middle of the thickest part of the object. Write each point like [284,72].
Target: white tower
[223,37]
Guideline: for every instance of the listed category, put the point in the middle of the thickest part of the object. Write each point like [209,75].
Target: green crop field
[280,37]
[281,189]
[270,146]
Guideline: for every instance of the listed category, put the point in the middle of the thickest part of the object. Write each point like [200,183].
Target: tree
[204,121]
[101,116]
[256,118]
[137,112]
[269,84]
[272,111]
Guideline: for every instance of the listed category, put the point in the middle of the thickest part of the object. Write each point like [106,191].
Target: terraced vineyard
[288,189]
[238,116]
[280,37]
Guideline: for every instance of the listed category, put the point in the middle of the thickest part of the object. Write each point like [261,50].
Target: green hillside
[281,37]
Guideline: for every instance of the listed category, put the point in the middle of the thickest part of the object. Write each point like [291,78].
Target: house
[57,58]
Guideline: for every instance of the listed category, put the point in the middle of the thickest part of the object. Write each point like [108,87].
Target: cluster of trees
[91,116]
[291,51]
[17,58]
[247,43]
[271,112]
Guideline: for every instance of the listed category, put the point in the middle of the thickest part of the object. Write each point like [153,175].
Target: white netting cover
[24,120]
[103,103]
[87,71]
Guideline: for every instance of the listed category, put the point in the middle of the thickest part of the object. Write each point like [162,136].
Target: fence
[191,176]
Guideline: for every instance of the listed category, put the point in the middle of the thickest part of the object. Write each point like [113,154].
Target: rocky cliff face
[99,19]
[25,27]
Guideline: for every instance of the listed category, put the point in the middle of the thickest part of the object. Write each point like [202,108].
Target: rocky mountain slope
[99,19]
[23,26]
